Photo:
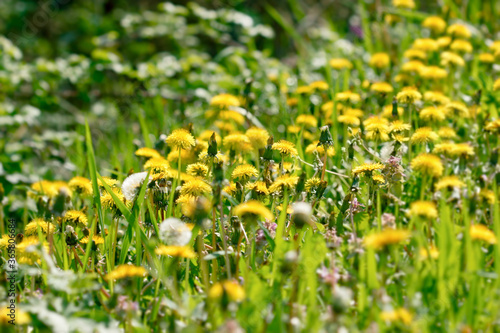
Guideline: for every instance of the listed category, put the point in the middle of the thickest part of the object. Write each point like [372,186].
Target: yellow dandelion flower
[408,95]
[314,148]
[433,73]
[51,188]
[451,59]
[225,126]
[157,164]
[458,31]
[107,201]
[424,135]
[46,227]
[460,45]
[285,148]
[399,315]
[425,44]
[111,182]
[292,101]
[312,184]
[445,148]
[25,253]
[258,137]
[495,46]
[481,232]
[76,218]
[348,96]
[432,113]
[230,189]
[434,23]
[237,142]
[386,237]
[463,149]
[496,85]
[412,66]
[387,111]
[81,185]
[21,317]
[492,126]
[125,271]
[181,138]
[195,187]
[304,90]
[380,60]
[447,133]
[400,138]
[285,181]
[244,172]
[258,187]
[225,100]
[399,126]
[415,54]
[428,164]
[227,115]
[227,289]
[319,85]
[425,209]
[340,63]
[197,170]
[406,4]
[293,129]
[353,112]
[175,251]
[382,87]
[378,179]
[486,58]
[367,168]
[377,128]
[97,239]
[458,108]
[487,195]
[349,119]
[147,152]
[252,209]
[328,107]
[449,182]
[187,156]
[436,97]
[307,120]
[432,252]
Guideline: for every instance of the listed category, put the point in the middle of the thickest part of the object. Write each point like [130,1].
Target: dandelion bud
[268,153]
[212,146]
[494,157]
[394,107]
[71,238]
[325,138]
[302,214]
[218,173]
[301,183]
[355,184]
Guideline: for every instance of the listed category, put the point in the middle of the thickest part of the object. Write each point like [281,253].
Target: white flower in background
[175,232]
[132,184]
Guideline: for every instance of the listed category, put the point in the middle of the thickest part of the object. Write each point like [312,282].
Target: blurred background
[53,28]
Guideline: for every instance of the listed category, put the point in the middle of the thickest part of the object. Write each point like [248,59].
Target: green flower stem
[280,242]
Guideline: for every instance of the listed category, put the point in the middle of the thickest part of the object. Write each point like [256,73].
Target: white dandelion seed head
[132,184]
[175,232]
[302,208]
